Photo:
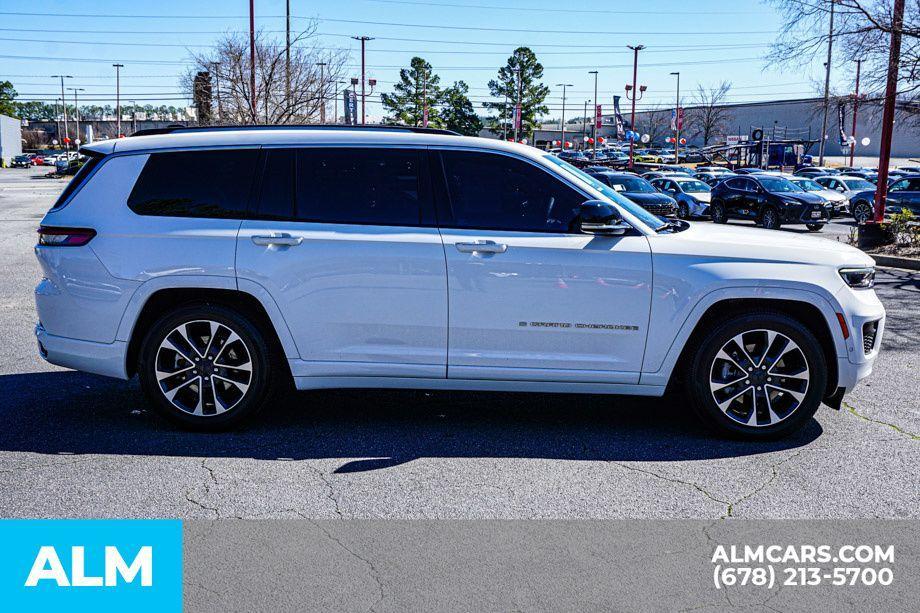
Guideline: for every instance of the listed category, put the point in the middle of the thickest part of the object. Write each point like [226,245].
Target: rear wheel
[207,367]
[862,212]
[758,376]
[717,213]
[682,211]
[814,227]
[769,218]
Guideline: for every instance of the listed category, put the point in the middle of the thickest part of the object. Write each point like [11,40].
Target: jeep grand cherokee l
[372,258]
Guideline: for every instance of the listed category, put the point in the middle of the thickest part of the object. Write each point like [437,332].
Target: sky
[707,41]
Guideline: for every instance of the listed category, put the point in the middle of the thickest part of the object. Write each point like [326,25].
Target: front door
[529,299]
[345,244]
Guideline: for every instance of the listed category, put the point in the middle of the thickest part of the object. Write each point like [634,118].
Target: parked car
[869,175]
[846,185]
[21,161]
[815,171]
[220,289]
[640,191]
[903,193]
[838,203]
[714,169]
[713,178]
[769,201]
[691,194]
[568,154]
[657,174]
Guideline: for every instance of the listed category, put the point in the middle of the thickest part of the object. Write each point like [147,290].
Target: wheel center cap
[759,377]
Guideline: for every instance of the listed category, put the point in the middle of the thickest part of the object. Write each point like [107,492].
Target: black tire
[862,212]
[814,227]
[717,213]
[264,381]
[705,365]
[769,218]
[682,211]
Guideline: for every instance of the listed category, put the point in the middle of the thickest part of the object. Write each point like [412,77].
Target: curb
[895,262]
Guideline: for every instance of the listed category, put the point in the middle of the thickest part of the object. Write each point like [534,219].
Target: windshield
[694,187]
[778,184]
[858,184]
[808,185]
[631,184]
[652,221]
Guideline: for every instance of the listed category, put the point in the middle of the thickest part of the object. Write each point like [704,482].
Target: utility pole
[518,108]
[216,68]
[505,118]
[425,100]
[562,123]
[76,112]
[891,92]
[363,40]
[594,119]
[635,94]
[855,108]
[252,60]
[677,121]
[134,115]
[57,120]
[64,107]
[287,56]
[322,91]
[827,85]
[584,122]
[118,68]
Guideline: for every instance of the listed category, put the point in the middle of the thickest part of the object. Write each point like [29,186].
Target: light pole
[636,95]
[827,86]
[562,123]
[134,116]
[425,100]
[216,68]
[252,60]
[64,107]
[76,112]
[677,121]
[584,122]
[363,40]
[118,68]
[594,119]
[518,110]
[322,91]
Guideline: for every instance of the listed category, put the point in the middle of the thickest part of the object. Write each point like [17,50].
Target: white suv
[221,265]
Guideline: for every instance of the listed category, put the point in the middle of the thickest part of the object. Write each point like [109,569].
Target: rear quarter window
[213,184]
[78,180]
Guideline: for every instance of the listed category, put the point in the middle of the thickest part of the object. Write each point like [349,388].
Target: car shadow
[67,413]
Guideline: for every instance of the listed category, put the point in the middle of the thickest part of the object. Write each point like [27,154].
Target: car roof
[281,135]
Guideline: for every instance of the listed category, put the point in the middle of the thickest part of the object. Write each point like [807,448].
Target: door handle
[275,238]
[481,247]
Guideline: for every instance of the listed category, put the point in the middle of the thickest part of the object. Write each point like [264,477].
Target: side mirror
[600,218]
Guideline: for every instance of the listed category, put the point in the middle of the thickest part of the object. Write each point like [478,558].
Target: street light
[64,107]
[76,110]
[118,68]
[562,125]
[677,121]
[594,121]
[637,94]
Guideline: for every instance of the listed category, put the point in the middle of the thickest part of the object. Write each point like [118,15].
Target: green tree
[457,111]
[7,95]
[407,102]
[505,87]
[34,110]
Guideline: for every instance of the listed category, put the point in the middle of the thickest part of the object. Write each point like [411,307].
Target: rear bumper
[106,359]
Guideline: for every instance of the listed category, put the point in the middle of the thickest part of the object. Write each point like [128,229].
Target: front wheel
[769,219]
[760,375]
[683,211]
[207,367]
[862,212]
[814,227]
[717,213]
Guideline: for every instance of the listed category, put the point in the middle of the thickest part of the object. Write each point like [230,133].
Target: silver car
[846,185]
[839,203]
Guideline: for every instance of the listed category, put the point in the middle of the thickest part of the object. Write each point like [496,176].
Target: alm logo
[47,567]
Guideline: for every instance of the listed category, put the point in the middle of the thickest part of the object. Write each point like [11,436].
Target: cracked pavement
[78,445]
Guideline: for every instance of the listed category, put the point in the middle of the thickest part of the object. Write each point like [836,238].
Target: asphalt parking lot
[78,445]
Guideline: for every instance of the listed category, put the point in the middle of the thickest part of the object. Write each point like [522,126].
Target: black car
[22,161]
[639,191]
[769,200]
[903,193]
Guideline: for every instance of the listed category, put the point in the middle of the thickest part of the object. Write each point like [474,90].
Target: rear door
[344,241]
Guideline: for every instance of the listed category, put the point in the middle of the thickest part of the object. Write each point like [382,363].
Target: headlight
[862,278]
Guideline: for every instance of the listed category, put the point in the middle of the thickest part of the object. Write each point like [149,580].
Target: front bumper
[106,359]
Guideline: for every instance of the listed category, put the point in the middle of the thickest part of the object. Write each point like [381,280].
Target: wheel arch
[161,300]
[803,311]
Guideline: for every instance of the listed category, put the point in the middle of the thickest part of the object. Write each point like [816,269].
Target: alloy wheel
[769,219]
[862,213]
[203,368]
[759,378]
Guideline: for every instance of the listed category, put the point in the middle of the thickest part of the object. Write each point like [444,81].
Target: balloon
[683,141]
[568,144]
[601,140]
[865,141]
[66,139]
[591,141]
[645,138]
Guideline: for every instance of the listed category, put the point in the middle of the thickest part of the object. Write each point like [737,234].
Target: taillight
[51,236]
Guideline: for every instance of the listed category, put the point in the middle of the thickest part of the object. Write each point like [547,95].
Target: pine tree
[533,92]
[407,102]
[457,112]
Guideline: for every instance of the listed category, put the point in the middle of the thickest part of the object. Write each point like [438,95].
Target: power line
[549,10]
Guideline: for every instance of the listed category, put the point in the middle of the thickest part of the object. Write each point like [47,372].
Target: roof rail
[385,128]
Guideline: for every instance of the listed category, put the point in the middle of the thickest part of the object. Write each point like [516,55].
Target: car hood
[705,197]
[648,198]
[803,197]
[756,244]
[832,195]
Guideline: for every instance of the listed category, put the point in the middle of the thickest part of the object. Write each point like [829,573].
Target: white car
[412,258]
[838,201]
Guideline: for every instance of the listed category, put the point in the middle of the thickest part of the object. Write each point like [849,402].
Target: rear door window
[371,186]
[214,184]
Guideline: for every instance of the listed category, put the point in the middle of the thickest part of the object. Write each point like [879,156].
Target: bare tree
[313,70]
[709,116]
